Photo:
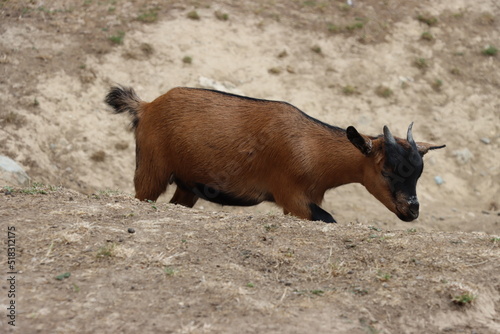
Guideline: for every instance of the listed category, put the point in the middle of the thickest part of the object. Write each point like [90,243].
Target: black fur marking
[233,95]
[181,184]
[357,140]
[137,156]
[333,128]
[318,213]
[135,123]
[437,147]
[403,167]
[214,195]
[121,99]
[211,194]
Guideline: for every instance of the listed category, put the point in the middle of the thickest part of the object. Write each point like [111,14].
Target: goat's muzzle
[408,210]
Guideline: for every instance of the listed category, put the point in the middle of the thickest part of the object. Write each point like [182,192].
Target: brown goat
[236,150]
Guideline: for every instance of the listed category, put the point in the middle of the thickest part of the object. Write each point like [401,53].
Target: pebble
[438,179]
[486,140]
[223,86]
[131,230]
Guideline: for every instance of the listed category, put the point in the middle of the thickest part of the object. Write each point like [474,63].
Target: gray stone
[227,87]
[486,140]
[12,173]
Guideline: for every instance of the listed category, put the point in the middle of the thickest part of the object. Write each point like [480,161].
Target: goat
[237,150]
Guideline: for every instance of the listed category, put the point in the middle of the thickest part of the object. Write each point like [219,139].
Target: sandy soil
[57,62]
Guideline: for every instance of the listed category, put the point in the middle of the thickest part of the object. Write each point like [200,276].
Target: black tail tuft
[124,99]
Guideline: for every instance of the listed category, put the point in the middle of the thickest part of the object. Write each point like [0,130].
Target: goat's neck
[346,164]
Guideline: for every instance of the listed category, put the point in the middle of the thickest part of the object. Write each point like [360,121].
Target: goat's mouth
[406,214]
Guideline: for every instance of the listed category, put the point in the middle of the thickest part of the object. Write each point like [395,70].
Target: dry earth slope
[183,271]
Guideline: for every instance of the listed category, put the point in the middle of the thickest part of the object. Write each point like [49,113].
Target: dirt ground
[219,269]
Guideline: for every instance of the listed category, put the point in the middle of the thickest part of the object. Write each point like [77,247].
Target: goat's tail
[125,99]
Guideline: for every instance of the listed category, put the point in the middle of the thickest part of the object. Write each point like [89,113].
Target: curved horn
[389,138]
[409,136]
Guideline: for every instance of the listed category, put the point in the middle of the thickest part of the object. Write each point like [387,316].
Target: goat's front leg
[318,213]
[300,206]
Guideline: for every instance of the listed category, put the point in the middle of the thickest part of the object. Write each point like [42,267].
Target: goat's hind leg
[149,185]
[184,197]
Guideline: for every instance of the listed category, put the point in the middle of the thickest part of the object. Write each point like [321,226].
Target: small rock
[438,179]
[12,173]
[406,80]
[222,86]
[131,230]
[485,140]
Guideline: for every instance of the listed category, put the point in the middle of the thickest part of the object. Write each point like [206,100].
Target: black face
[402,168]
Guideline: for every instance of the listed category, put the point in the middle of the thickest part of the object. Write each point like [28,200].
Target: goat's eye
[385,174]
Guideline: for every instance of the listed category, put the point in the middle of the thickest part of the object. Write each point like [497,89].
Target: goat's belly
[212,194]
[224,195]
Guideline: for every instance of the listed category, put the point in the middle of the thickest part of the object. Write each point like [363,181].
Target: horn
[389,138]
[409,136]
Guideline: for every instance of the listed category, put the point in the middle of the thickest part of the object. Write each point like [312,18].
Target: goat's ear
[426,147]
[363,143]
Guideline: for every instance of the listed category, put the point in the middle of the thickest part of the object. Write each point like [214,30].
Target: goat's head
[393,169]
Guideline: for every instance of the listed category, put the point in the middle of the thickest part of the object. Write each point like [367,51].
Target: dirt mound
[366,66]
[190,271]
